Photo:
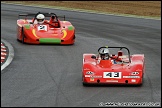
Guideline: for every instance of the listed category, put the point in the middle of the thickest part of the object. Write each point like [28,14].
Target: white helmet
[40,18]
[104,53]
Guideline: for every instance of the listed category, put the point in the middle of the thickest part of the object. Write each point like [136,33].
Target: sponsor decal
[133,80]
[93,76]
[134,73]
[111,80]
[87,75]
[89,72]
[96,76]
[131,76]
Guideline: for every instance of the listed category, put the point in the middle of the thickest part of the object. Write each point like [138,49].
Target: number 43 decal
[112,75]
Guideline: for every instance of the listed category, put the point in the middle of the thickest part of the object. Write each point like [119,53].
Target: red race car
[116,68]
[44,28]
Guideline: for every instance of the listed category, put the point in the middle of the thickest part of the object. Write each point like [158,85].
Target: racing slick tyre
[85,84]
[18,40]
[141,81]
[23,35]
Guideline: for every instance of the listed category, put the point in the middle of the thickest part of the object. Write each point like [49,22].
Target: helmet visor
[40,20]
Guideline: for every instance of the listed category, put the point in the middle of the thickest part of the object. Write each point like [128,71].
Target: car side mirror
[93,57]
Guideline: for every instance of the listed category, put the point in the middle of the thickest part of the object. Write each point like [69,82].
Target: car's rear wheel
[140,84]
[84,84]
[18,40]
[142,80]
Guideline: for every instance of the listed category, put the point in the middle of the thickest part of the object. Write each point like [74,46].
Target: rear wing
[45,14]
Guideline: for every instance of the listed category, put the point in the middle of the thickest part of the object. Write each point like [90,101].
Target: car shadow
[112,85]
[46,44]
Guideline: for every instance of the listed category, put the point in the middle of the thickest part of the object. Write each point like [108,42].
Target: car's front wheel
[23,35]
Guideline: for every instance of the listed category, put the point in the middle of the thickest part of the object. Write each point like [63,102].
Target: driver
[54,21]
[40,18]
[104,54]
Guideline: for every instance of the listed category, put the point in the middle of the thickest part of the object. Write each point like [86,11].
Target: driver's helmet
[40,18]
[104,54]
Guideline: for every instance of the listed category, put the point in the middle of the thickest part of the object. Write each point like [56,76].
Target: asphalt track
[50,75]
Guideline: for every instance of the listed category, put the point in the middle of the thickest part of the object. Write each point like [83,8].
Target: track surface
[50,76]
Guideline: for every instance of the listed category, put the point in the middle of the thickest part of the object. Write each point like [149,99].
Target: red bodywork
[27,32]
[96,71]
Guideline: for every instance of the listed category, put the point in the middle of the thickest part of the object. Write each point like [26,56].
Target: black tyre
[23,35]
[85,84]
